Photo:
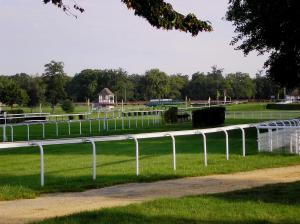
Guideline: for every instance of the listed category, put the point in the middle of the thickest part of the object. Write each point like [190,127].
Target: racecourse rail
[135,137]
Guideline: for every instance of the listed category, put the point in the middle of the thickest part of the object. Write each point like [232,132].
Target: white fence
[103,124]
[281,135]
[136,138]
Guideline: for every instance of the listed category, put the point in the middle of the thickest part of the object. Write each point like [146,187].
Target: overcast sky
[108,35]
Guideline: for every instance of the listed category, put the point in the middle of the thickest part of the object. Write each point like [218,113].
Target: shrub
[183,117]
[170,116]
[81,117]
[206,117]
[273,106]
[68,106]
[71,117]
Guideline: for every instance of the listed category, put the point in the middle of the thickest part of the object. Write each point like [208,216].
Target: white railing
[108,124]
[279,135]
[136,138]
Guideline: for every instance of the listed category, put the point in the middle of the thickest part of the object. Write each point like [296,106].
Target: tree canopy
[157,12]
[272,27]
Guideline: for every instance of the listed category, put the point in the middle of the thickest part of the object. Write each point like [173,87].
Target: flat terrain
[22,211]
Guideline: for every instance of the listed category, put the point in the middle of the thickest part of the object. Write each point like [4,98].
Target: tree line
[54,85]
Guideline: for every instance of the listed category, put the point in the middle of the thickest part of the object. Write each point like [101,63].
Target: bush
[183,117]
[292,106]
[207,117]
[71,117]
[170,116]
[68,106]
[81,117]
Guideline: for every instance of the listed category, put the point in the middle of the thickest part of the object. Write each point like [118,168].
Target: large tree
[270,27]
[56,81]
[157,12]
[156,84]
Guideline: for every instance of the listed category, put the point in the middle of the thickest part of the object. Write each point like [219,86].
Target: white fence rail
[280,135]
[103,124]
[136,138]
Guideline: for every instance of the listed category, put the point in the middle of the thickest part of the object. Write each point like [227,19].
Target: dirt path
[22,211]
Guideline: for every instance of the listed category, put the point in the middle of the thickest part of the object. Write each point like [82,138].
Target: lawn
[246,107]
[278,203]
[68,167]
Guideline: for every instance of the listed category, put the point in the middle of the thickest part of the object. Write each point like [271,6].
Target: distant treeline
[54,85]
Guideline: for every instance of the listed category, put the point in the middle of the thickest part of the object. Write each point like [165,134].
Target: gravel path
[59,204]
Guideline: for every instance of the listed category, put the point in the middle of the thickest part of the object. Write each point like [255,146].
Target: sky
[109,36]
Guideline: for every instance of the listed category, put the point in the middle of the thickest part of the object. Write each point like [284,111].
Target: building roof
[106,92]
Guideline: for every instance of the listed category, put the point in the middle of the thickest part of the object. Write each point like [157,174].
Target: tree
[11,93]
[56,81]
[68,106]
[157,84]
[157,12]
[241,84]
[178,84]
[34,87]
[270,27]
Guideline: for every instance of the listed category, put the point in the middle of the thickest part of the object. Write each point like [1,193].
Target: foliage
[68,106]
[270,27]
[170,116]
[207,117]
[241,85]
[157,12]
[11,93]
[56,81]
[157,84]
[293,106]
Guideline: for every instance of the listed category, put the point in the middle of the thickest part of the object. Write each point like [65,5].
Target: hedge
[207,117]
[292,106]
[170,116]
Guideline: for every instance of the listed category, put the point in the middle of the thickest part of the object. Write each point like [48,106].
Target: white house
[106,100]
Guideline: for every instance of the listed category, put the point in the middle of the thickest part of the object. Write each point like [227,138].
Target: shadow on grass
[285,193]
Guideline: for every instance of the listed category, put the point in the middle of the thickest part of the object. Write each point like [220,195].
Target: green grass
[269,204]
[246,107]
[68,167]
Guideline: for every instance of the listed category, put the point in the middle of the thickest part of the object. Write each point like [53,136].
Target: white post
[174,150]
[204,148]
[244,141]
[136,154]
[227,144]
[41,163]
[94,157]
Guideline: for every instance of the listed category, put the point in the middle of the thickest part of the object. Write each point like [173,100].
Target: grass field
[246,107]
[36,131]
[270,204]
[68,167]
